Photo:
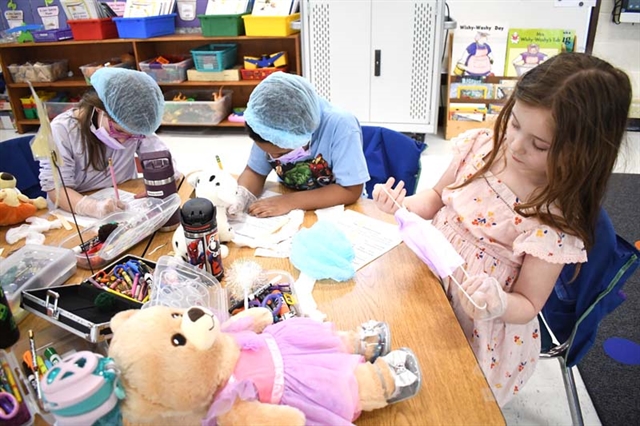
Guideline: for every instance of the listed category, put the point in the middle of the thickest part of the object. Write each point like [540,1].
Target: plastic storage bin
[141,219]
[167,73]
[215,57]
[89,69]
[201,111]
[178,284]
[52,35]
[147,27]
[93,29]
[260,73]
[28,405]
[222,25]
[277,26]
[42,71]
[34,266]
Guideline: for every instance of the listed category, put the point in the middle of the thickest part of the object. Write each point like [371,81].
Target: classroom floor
[543,400]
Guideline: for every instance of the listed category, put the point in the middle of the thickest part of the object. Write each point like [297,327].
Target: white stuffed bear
[219,187]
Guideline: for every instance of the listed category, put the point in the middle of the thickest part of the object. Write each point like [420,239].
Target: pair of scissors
[8,405]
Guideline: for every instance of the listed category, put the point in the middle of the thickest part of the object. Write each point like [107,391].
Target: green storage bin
[222,25]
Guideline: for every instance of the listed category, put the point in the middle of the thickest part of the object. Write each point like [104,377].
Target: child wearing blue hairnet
[115,120]
[314,148]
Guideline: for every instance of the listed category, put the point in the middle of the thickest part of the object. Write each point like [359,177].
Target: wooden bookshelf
[80,53]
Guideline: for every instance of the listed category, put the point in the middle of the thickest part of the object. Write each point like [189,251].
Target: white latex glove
[244,198]
[39,224]
[88,206]
[483,290]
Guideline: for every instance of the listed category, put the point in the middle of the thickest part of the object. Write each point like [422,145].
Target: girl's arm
[531,290]
[74,197]
[425,203]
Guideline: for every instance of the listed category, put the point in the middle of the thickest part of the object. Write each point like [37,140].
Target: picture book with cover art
[529,47]
[478,49]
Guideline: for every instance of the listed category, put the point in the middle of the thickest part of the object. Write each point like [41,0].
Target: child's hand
[270,206]
[382,199]
[244,198]
[484,290]
[98,208]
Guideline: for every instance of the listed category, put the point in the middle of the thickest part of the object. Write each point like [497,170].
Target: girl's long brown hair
[95,150]
[589,102]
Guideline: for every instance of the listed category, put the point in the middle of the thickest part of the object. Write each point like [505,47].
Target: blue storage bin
[215,57]
[52,35]
[147,27]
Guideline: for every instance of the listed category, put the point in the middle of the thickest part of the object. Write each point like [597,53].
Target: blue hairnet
[284,109]
[323,251]
[132,99]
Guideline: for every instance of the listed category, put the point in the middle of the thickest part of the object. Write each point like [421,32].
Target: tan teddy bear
[14,206]
[182,367]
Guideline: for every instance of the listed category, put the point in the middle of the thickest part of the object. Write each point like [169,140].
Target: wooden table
[399,289]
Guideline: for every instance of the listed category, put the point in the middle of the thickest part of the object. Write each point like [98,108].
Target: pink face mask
[429,244]
[108,137]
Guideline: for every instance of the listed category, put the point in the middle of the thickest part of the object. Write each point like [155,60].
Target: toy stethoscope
[8,406]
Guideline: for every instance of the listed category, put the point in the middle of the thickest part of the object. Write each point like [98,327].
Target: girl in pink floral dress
[519,204]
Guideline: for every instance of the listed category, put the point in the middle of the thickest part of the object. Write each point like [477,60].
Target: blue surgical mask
[294,156]
[103,135]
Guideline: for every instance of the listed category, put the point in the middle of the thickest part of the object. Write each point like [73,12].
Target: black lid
[198,212]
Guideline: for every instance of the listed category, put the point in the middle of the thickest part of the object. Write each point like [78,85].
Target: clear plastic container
[135,224]
[89,69]
[34,266]
[200,109]
[180,285]
[167,73]
[42,71]
[56,108]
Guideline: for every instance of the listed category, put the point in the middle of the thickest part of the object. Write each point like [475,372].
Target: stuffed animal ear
[119,318]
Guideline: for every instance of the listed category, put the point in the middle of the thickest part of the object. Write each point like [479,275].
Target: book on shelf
[478,49]
[146,8]
[228,7]
[272,7]
[529,47]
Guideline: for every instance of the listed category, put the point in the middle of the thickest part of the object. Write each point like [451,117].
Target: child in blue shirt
[314,148]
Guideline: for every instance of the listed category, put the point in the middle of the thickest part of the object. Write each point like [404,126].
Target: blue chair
[16,158]
[390,153]
[575,308]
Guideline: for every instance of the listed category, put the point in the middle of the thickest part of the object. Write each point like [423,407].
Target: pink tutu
[319,375]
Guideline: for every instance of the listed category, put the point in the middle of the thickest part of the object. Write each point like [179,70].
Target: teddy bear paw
[406,374]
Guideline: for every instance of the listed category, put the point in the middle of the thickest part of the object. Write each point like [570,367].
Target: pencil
[219,162]
[32,347]
[113,179]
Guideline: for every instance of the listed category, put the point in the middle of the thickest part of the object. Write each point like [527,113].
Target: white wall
[619,45]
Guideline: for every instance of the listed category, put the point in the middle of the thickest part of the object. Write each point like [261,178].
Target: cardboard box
[232,74]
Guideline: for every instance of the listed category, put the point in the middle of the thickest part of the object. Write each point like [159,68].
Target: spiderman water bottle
[198,217]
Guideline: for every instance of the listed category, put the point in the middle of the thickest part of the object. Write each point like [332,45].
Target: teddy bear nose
[194,314]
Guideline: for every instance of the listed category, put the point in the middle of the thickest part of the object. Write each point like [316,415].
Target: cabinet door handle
[376,69]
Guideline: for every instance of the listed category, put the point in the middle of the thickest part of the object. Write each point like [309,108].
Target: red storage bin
[93,29]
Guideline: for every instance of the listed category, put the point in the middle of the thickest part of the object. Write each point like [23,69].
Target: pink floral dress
[481,223]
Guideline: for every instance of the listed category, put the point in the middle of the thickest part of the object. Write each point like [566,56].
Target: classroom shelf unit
[81,53]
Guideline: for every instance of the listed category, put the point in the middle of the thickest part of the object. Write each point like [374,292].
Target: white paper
[371,238]
[271,8]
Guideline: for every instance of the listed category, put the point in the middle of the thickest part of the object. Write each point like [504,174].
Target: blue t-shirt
[335,155]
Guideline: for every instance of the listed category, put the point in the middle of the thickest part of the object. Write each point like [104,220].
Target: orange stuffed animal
[14,206]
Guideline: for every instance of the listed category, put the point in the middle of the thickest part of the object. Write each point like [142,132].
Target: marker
[29,375]
[219,162]
[52,355]
[12,381]
[41,367]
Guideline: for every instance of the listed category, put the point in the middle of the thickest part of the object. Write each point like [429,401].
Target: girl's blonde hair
[589,101]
